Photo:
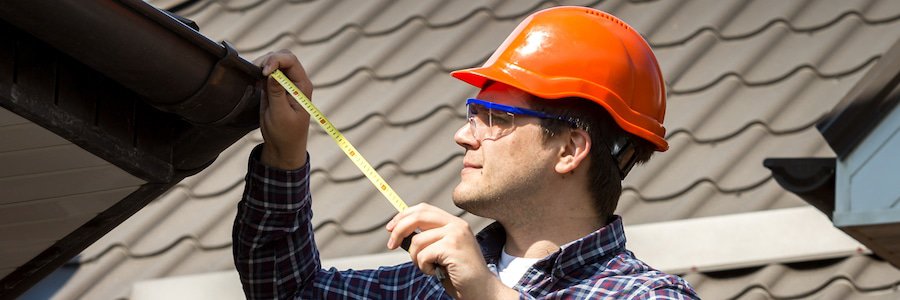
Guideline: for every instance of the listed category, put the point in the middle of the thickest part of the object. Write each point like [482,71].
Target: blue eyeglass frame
[520,111]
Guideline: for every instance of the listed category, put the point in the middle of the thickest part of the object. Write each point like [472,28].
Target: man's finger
[260,61]
[429,257]
[390,224]
[291,67]
[418,207]
[422,240]
[408,223]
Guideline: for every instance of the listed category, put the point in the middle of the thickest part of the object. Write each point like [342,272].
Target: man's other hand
[447,240]
[284,123]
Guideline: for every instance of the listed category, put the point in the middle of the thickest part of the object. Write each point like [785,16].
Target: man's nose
[465,138]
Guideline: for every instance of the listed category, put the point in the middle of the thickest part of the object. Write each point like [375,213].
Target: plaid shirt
[276,256]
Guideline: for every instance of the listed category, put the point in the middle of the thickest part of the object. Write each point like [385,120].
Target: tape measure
[342,142]
[361,163]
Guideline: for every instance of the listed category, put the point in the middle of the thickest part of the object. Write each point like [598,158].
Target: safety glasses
[491,121]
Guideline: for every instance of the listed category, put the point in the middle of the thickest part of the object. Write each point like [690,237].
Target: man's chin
[467,198]
[464,195]
[460,197]
[473,207]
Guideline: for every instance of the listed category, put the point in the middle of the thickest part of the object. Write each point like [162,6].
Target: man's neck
[543,235]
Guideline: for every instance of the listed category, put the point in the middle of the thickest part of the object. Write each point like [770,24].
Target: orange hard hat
[571,51]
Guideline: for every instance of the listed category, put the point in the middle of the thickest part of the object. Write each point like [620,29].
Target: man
[568,104]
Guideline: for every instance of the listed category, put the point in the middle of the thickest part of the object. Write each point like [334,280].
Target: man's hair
[604,179]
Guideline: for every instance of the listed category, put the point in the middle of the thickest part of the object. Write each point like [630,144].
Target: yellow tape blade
[361,163]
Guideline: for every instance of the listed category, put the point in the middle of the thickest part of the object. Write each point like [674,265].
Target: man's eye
[500,117]
[473,110]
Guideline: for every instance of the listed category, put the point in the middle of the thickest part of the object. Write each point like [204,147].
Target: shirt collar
[606,241]
[491,239]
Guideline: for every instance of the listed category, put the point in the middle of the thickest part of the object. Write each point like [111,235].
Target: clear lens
[486,123]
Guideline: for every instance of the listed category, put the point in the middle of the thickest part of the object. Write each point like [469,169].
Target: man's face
[501,174]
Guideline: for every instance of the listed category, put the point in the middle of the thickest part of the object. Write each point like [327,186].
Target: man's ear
[574,152]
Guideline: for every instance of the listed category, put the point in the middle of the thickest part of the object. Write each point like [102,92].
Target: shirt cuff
[274,189]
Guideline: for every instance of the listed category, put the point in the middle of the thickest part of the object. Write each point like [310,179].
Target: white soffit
[740,240]
[48,188]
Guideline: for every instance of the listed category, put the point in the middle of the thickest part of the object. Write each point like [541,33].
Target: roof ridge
[375,227]
[696,183]
[770,81]
[656,45]
[188,189]
[436,166]
[409,20]
[685,190]
[388,77]
[756,122]
[239,182]
[246,7]
[836,278]
[809,29]
[152,253]
[673,91]
[200,246]
[396,165]
[389,123]
[231,8]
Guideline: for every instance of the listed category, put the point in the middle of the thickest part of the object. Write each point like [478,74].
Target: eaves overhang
[130,84]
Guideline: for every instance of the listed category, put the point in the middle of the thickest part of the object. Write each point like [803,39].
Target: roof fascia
[865,105]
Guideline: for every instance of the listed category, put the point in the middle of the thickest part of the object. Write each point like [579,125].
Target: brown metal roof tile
[774,54]
[732,163]
[727,108]
[704,200]
[379,144]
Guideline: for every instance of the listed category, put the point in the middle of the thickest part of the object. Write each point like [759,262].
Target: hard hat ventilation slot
[608,17]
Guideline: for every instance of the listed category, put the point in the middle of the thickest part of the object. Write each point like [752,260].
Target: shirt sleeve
[275,252]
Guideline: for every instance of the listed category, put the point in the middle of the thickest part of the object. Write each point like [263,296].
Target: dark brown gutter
[810,178]
[174,67]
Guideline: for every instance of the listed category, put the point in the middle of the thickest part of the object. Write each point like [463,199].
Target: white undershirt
[511,268]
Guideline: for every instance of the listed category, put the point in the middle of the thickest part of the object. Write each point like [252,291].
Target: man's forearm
[274,250]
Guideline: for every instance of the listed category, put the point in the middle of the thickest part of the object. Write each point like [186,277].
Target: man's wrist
[271,157]
[264,181]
